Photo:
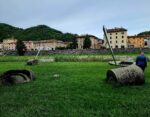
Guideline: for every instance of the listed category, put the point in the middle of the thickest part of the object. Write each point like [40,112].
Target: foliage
[40,32]
[73,45]
[20,47]
[8,31]
[87,42]
[144,33]
[79,90]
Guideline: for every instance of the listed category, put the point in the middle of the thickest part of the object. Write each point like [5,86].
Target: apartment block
[117,38]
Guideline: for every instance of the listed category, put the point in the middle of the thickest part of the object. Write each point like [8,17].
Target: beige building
[135,42]
[1,46]
[117,38]
[100,43]
[94,42]
[9,44]
[29,45]
[138,41]
[48,44]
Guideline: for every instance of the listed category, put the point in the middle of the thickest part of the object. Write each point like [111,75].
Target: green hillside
[144,33]
[40,32]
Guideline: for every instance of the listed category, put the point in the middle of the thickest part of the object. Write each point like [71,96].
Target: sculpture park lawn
[72,89]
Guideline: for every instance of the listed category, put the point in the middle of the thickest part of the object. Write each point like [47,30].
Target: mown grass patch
[79,90]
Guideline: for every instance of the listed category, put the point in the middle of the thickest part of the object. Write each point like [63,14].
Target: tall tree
[21,48]
[87,42]
[74,43]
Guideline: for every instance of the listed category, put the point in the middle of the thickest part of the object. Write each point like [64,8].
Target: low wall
[82,51]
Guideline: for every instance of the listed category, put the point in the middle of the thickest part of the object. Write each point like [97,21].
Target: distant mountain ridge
[39,32]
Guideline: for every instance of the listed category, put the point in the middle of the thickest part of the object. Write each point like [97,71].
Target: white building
[147,42]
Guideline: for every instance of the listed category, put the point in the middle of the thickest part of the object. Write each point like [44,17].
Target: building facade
[1,46]
[135,42]
[146,41]
[138,41]
[94,41]
[10,44]
[117,38]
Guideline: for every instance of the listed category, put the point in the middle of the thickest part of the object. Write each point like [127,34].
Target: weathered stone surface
[16,77]
[82,51]
[32,62]
[126,75]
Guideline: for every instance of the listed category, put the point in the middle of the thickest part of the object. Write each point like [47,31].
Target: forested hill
[144,33]
[40,32]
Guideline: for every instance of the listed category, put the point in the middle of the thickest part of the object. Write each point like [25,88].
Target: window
[110,42]
[116,33]
[122,46]
[122,32]
[116,41]
[110,34]
[122,36]
[116,46]
[116,37]
[110,38]
[122,41]
[145,43]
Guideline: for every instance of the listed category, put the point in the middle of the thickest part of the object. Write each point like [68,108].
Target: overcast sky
[78,16]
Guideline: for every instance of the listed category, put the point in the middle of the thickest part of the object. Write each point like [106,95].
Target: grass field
[72,57]
[79,91]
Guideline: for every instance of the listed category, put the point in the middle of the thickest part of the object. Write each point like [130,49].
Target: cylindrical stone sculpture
[32,62]
[126,75]
[16,77]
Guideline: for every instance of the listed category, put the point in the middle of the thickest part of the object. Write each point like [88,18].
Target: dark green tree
[87,42]
[21,48]
[73,44]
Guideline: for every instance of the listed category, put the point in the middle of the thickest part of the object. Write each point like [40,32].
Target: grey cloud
[77,16]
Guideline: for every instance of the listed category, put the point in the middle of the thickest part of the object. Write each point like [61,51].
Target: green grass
[79,91]
[70,58]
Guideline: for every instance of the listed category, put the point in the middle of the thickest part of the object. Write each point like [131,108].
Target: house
[135,41]
[147,41]
[9,44]
[1,46]
[51,44]
[94,41]
[117,38]
[29,45]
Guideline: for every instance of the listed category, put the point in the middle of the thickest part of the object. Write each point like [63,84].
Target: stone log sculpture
[32,62]
[126,75]
[16,77]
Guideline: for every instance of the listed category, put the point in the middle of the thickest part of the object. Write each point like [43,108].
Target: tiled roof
[116,30]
